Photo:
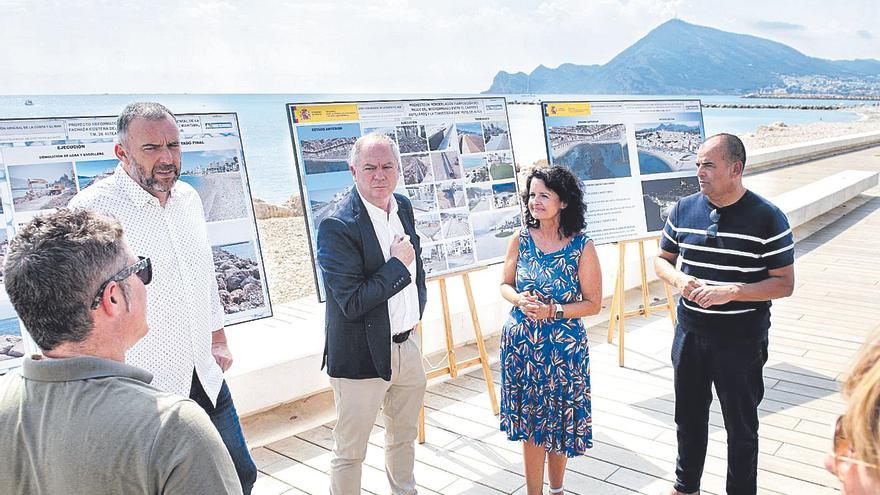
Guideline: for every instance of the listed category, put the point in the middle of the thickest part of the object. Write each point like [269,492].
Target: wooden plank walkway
[814,335]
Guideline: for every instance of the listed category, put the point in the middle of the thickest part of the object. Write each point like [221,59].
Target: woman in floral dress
[552,277]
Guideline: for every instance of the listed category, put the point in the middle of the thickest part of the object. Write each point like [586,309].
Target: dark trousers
[225,419]
[735,367]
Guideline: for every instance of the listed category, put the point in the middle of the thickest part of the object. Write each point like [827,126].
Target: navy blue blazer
[358,283]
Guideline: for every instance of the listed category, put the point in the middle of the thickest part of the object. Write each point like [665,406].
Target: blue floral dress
[545,366]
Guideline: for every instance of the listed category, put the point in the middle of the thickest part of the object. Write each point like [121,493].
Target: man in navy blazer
[369,253]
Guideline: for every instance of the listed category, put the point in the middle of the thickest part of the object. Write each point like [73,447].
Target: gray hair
[732,149]
[373,137]
[54,267]
[139,110]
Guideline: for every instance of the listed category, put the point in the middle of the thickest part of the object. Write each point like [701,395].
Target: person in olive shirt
[77,419]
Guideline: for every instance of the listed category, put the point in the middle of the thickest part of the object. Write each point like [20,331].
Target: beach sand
[777,134]
[288,259]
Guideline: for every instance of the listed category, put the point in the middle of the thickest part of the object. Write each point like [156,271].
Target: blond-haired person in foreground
[855,456]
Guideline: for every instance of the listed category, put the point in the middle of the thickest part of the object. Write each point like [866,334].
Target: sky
[390,46]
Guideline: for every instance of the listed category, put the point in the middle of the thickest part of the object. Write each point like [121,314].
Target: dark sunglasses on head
[142,268]
[715,217]
[842,449]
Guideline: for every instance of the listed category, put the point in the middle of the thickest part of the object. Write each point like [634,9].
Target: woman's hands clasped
[533,306]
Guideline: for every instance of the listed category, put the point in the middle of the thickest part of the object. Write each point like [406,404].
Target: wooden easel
[452,365]
[618,300]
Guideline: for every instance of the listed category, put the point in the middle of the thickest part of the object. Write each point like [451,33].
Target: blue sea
[10,326]
[266,135]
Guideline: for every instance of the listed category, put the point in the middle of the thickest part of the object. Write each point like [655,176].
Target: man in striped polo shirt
[737,254]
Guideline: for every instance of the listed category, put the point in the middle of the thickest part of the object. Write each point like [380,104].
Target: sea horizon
[265,131]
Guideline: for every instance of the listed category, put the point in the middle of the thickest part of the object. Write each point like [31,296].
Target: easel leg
[481,345]
[621,299]
[670,302]
[646,308]
[447,323]
[611,318]
[422,411]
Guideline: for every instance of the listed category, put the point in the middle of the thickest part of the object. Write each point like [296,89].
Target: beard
[150,182]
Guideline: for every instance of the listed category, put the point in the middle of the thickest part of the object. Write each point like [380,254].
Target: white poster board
[457,168]
[635,158]
[45,162]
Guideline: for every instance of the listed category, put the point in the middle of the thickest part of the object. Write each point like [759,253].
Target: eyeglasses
[142,268]
[842,449]
[712,230]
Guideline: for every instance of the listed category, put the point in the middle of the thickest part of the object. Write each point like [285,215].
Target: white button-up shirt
[183,304]
[403,307]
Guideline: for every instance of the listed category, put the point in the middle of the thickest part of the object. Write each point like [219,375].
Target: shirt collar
[134,191]
[376,212]
[43,369]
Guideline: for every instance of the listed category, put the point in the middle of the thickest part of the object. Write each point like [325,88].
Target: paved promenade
[814,335]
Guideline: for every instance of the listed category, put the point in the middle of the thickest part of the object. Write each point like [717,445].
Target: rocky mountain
[681,58]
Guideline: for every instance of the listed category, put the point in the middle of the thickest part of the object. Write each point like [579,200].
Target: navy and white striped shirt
[753,237]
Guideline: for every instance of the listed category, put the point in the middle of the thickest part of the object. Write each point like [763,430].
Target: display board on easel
[44,162]
[635,158]
[457,168]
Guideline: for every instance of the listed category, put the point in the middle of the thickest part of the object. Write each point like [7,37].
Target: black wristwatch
[558,311]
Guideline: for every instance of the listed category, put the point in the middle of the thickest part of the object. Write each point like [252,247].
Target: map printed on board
[45,162]
[635,158]
[457,168]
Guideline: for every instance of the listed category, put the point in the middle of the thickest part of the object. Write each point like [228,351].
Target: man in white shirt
[369,254]
[162,217]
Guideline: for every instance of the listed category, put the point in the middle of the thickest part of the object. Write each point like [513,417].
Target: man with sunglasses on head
[78,419]
[736,253]
[186,348]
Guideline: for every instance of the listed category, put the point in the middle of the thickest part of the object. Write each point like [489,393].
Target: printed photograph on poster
[41,186]
[500,165]
[479,197]
[496,135]
[470,138]
[493,230]
[591,151]
[440,136]
[324,201]
[416,169]
[455,224]
[391,132]
[411,138]
[216,177]
[661,195]
[434,259]
[423,198]
[325,148]
[324,191]
[446,165]
[668,146]
[87,173]
[428,227]
[504,195]
[459,253]
[238,277]
[450,194]
[475,169]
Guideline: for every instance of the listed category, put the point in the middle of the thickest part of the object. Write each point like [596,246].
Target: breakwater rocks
[813,96]
[239,281]
[774,106]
